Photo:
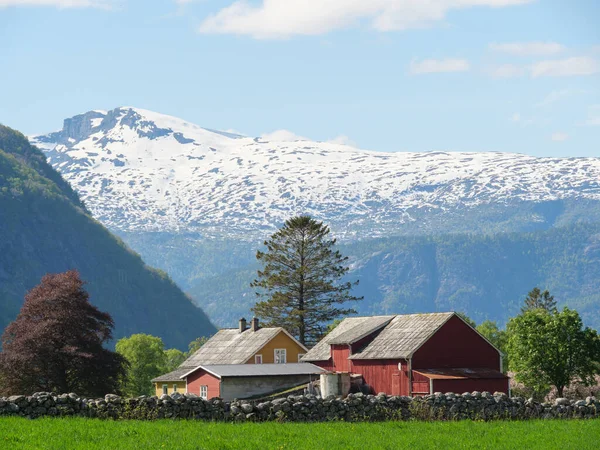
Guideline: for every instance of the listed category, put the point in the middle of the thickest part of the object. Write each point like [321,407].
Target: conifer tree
[300,282]
[536,299]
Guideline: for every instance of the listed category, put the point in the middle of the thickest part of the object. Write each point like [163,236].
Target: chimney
[242,325]
[254,324]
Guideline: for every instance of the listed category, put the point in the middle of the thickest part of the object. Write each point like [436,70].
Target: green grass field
[75,433]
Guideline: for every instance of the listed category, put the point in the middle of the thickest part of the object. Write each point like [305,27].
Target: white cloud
[528,48]
[438,65]
[277,19]
[556,96]
[579,65]
[283,135]
[105,4]
[343,140]
[517,118]
[559,137]
[506,71]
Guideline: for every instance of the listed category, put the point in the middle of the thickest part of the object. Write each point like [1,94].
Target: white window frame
[278,353]
[300,355]
[258,359]
[204,391]
[165,389]
[174,387]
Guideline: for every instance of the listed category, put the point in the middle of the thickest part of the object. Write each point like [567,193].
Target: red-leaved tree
[56,343]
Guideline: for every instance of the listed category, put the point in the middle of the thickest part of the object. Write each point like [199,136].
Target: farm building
[242,346]
[413,354]
[230,381]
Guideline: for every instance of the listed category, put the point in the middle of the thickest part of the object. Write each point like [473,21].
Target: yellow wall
[180,387]
[282,340]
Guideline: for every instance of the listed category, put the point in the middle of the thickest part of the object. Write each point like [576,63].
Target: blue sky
[393,75]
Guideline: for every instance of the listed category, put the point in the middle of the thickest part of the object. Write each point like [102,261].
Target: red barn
[412,354]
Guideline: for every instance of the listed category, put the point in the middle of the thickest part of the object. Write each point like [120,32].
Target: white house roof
[257,370]
[229,346]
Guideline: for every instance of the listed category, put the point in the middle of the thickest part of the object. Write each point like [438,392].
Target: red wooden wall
[420,384]
[199,378]
[383,375]
[470,385]
[456,344]
[339,355]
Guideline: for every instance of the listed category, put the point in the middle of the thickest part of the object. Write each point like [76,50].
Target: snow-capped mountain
[138,170]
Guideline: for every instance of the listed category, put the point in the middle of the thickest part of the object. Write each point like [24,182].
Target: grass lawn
[75,433]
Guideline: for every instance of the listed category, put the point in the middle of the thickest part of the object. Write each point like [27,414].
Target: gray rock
[247,408]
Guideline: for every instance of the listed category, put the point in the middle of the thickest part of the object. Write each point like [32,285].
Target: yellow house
[170,383]
[241,345]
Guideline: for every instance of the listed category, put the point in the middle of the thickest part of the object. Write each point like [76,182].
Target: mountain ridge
[44,228]
[143,171]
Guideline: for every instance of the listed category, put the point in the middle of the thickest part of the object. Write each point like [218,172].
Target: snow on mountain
[138,170]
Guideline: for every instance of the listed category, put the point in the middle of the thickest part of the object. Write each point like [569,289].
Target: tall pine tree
[300,282]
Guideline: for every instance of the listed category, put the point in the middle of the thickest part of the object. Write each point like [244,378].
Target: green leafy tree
[467,319]
[552,349]
[147,360]
[195,345]
[300,282]
[536,299]
[498,337]
[173,359]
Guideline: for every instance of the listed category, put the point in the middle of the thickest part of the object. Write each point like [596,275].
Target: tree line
[58,341]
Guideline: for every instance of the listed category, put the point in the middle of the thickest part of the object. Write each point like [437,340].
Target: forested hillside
[45,228]
[485,276]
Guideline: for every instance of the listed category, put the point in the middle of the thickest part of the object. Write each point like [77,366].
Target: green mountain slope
[485,276]
[45,228]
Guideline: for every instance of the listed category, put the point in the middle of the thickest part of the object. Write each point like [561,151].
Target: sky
[390,75]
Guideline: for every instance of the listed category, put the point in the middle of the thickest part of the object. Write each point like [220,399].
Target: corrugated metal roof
[403,336]
[461,373]
[321,352]
[257,370]
[173,376]
[229,346]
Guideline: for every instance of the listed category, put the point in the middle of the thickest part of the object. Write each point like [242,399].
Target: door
[397,383]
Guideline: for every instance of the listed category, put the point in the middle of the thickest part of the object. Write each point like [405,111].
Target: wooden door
[397,383]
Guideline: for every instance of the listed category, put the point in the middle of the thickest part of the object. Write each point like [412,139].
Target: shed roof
[229,346]
[348,330]
[461,373]
[257,370]
[172,376]
[399,338]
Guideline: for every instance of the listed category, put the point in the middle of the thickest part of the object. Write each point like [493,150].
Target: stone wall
[354,407]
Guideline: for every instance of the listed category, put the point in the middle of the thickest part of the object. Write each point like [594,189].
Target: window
[280,356]
[165,389]
[174,388]
[257,359]
[204,391]
[300,355]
